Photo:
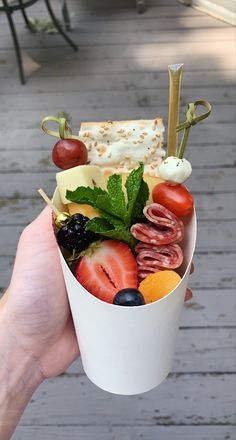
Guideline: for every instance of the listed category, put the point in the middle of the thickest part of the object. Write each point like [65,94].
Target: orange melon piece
[86,210]
[157,285]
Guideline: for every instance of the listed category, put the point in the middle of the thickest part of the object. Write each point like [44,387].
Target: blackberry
[73,235]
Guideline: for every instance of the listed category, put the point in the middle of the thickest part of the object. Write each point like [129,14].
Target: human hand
[36,302]
[189,293]
[37,337]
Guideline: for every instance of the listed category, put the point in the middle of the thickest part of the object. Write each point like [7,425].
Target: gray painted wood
[110,432]
[209,308]
[25,184]
[96,11]
[17,211]
[183,399]
[125,98]
[210,134]
[216,270]
[213,235]
[212,271]
[86,35]
[94,51]
[213,353]
[55,67]
[126,20]
[144,81]
[31,118]
[40,160]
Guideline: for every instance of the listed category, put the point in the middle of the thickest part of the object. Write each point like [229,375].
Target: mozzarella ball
[175,170]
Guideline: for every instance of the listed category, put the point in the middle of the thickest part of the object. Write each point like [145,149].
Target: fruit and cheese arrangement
[124,205]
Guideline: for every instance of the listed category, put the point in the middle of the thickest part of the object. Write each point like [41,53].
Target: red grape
[69,153]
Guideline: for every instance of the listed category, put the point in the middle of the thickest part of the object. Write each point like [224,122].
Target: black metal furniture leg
[24,13]
[58,26]
[66,16]
[15,40]
[141,6]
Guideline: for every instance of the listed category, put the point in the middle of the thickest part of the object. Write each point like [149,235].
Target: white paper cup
[128,350]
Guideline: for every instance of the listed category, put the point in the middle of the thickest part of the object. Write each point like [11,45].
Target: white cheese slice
[83,175]
[119,146]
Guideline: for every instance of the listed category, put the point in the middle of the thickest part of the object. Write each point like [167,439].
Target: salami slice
[152,259]
[163,227]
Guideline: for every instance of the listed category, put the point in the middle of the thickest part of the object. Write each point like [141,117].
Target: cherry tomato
[69,153]
[176,198]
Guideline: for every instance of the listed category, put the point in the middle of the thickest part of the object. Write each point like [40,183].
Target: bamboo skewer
[61,218]
[48,201]
[175,74]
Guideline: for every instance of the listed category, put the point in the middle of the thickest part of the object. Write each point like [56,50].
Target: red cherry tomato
[69,153]
[176,198]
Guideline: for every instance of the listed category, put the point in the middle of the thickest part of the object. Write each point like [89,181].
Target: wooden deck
[121,72]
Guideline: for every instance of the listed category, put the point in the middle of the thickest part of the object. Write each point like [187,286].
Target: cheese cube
[83,175]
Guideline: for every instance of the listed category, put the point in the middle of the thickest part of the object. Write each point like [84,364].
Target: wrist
[20,375]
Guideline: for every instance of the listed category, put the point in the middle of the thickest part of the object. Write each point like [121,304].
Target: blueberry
[129,297]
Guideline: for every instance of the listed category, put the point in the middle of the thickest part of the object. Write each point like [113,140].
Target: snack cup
[128,350]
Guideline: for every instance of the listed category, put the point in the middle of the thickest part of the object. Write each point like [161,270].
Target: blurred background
[120,72]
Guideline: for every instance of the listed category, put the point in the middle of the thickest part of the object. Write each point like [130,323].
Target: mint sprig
[103,227]
[117,215]
[137,193]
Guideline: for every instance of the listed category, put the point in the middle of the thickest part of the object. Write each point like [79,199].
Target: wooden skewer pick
[62,218]
[175,73]
[48,201]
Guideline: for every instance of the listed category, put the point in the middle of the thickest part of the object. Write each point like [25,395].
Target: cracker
[119,146]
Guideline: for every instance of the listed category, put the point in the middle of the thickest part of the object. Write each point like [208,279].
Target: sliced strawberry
[110,268]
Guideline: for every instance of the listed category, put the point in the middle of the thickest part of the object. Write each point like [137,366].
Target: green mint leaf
[143,195]
[116,218]
[104,205]
[105,229]
[85,195]
[137,194]
[99,225]
[116,195]
[112,204]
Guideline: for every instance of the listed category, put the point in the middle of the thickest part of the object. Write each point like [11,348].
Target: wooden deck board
[120,72]
[210,206]
[195,399]
[32,160]
[25,184]
[125,433]
[196,355]
[208,237]
[214,270]
[124,81]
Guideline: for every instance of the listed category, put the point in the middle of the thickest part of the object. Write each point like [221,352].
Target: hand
[37,336]
[189,293]
[36,302]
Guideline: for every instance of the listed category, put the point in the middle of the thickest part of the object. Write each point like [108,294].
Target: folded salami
[163,227]
[151,258]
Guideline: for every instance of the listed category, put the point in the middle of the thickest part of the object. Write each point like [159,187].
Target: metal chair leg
[141,6]
[66,16]
[58,26]
[15,40]
[24,13]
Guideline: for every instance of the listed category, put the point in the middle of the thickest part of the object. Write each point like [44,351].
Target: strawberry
[108,268]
